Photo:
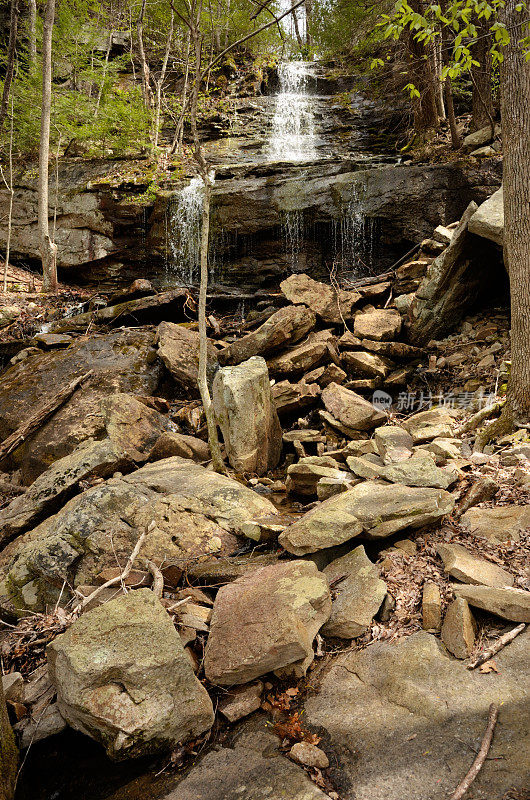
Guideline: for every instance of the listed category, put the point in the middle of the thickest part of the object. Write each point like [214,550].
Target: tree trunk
[515,115]
[8,753]
[11,191]
[308,21]
[32,32]
[160,81]
[48,249]
[456,139]
[213,439]
[482,99]
[439,88]
[422,73]
[297,29]
[146,87]
[10,65]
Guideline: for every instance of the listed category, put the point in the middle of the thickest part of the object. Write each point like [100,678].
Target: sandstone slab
[512,604]
[351,409]
[393,443]
[465,567]
[459,629]
[420,470]
[488,219]
[500,523]
[172,443]
[431,424]
[280,608]
[380,324]
[330,305]
[178,347]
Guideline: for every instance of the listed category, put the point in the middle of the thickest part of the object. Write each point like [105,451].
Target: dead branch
[485,413]
[464,785]
[39,417]
[119,578]
[158,578]
[497,645]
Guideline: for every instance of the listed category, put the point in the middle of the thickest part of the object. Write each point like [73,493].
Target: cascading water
[293,123]
[185,233]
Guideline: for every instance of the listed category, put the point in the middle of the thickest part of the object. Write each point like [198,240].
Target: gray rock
[393,443]
[420,470]
[369,364]
[246,414]
[289,397]
[280,609]
[122,677]
[330,305]
[241,701]
[172,443]
[371,508]
[512,604]
[396,714]
[198,516]
[432,424]
[488,219]
[480,137]
[132,426]
[357,598]
[286,326]
[431,607]
[465,567]
[178,347]
[459,629]
[368,466]
[304,356]
[309,755]
[304,477]
[351,409]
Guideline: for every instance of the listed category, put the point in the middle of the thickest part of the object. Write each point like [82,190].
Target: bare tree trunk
[515,114]
[297,29]
[48,249]
[456,139]
[146,87]
[8,753]
[308,21]
[161,79]
[10,65]
[437,62]
[32,32]
[11,191]
[179,130]
[100,92]
[423,78]
[482,98]
[213,439]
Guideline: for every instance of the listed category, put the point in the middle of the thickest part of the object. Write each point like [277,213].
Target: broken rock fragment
[266,620]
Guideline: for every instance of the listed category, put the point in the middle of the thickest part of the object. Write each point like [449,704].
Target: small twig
[497,645]
[178,603]
[158,578]
[464,785]
[119,578]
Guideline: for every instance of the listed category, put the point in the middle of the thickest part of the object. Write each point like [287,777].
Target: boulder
[328,303]
[350,409]
[488,219]
[393,443]
[122,677]
[369,364]
[292,397]
[58,483]
[8,753]
[247,771]
[178,347]
[455,280]
[245,411]
[396,714]
[304,476]
[431,607]
[198,517]
[512,604]
[432,424]
[357,597]
[285,326]
[368,466]
[132,426]
[380,324]
[304,356]
[459,629]
[501,523]
[443,449]
[172,443]
[465,567]
[280,609]
[480,137]
[370,508]
[420,470]
[120,361]
[241,701]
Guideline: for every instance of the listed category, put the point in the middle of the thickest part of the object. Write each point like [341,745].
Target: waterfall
[293,123]
[185,214]
[354,239]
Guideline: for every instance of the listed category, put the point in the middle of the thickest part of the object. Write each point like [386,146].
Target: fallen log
[136,309]
[466,782]
[35,421]
[497,645]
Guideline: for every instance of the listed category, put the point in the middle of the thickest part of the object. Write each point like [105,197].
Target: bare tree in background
[48,249]
[10,65]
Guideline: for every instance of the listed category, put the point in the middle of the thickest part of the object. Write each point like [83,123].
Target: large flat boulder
[508,603]
[468,568]
[123,677]
[245,411]
[304,356]
[397,713]
[488,219]
[350,409]
[379,324]
[121,361]
[178,347]
[265,621]
[499,523]
[420,470]
[372,509]
[330,304]
[132,426]
[199,516]
[286,326]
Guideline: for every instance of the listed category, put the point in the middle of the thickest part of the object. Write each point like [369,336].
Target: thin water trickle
[293,124]
[185,215]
